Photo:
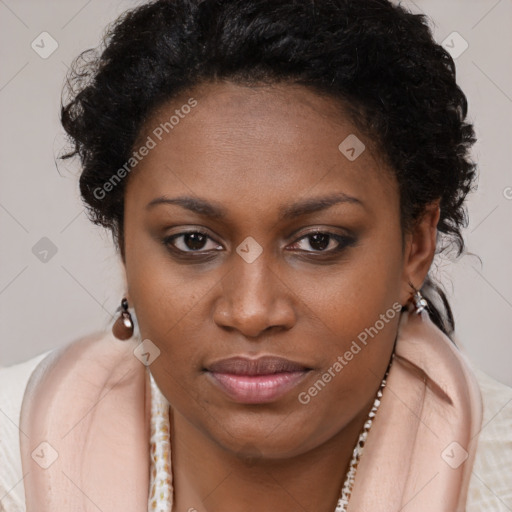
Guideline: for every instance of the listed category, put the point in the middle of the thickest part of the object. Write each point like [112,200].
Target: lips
[265,365]
[256,381]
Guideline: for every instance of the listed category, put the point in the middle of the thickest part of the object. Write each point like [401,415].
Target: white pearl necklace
[161,490]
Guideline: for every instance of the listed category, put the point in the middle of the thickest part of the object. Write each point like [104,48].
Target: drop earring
[123,326]
[420,303]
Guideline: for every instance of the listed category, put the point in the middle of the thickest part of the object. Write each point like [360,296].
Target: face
[285,247]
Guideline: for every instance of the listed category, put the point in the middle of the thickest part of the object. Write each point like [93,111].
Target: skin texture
[254,150]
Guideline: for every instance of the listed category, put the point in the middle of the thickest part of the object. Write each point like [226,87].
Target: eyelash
[344,242]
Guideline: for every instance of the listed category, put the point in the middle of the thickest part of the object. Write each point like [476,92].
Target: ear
[419,250]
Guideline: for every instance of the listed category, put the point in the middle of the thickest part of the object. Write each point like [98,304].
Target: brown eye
[323,242]
[191,241]
[319,241]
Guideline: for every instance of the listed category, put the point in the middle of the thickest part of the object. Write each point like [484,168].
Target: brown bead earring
[123,326]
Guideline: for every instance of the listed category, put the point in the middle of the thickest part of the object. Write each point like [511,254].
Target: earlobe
[420,250]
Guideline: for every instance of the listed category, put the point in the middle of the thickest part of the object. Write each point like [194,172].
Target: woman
[277,178]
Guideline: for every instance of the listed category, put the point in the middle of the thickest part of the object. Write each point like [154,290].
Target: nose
[254,299]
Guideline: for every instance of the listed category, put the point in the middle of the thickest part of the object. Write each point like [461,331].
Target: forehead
[263,143]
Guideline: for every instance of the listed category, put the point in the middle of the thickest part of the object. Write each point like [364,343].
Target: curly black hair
[376,59]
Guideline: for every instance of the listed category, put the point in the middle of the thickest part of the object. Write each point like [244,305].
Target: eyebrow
[216,211]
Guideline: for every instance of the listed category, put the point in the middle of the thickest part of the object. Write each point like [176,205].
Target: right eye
[190,242]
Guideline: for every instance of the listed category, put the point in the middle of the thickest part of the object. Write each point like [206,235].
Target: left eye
[320,241]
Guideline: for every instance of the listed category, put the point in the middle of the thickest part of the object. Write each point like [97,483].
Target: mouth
[253,381]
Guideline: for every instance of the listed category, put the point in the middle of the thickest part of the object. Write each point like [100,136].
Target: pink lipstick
[254,381]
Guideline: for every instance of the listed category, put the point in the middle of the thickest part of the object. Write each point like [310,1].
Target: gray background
[44,304]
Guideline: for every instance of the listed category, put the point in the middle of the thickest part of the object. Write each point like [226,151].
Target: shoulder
[13,382]
[490,487]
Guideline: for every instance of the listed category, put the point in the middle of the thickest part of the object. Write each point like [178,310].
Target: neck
[209,478]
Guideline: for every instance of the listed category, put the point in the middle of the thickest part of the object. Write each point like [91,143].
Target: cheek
[173,314]
[359,310]
[162,292]
[351,296]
